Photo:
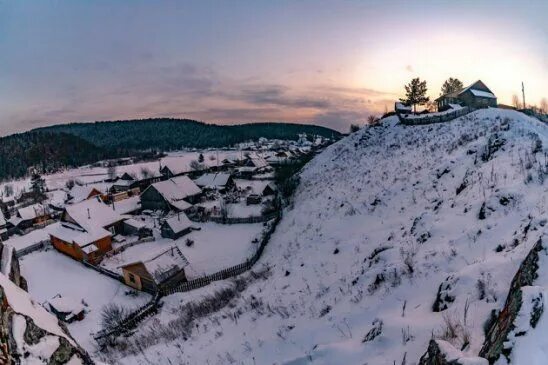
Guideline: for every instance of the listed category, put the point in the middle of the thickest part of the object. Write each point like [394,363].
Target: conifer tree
[415,93]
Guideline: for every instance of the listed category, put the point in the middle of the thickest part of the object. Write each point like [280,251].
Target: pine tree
[451,85]
[38,185]
[415,93]
[201,158]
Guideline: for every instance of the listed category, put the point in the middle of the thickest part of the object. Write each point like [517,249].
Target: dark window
[132,278]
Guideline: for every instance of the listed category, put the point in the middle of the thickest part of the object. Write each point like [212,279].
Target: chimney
[89,216]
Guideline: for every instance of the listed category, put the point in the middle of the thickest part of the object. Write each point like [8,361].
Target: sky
[325,62]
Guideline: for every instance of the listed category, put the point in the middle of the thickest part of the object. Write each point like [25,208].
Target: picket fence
[102,337]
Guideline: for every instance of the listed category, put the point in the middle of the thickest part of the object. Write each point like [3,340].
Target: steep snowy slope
[396,234]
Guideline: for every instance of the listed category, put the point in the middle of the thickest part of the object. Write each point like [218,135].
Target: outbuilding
[161,270]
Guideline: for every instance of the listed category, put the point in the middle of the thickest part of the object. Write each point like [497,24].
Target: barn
[150,275]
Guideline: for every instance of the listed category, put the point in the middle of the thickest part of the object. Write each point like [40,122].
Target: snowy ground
[49,273]
[379,221]
[216,247]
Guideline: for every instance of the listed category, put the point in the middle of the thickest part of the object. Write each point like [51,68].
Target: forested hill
[77,144]
[170,134]
[47,150]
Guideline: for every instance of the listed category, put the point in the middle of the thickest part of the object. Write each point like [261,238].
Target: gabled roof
[80,193]
[178,223]
[217,180]
[32,211]
[176,189]
[164,265]
[92,214]
[477,88]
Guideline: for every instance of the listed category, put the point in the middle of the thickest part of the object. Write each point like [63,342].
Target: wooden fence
[430,119]
[104,271]
[131,322]
[32,248]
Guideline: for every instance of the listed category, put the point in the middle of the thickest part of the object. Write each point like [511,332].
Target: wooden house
[176,226]
[178,193]
[32,215]
[477,95]
[86,229]
[150,275]
[80,193]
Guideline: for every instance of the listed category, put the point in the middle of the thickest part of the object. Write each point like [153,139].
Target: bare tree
[111,171]
[515,101]
[544,105]
[354,128]
[8,190]
[372,119]
[145,173]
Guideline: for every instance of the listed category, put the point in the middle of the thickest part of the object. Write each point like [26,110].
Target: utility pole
[523,93]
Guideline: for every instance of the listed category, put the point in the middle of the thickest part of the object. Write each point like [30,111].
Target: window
[131,278]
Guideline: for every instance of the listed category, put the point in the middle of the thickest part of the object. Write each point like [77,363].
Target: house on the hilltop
[477,95]
[178,193]
[86,229]
[161,270]
[217,181]
[176,226]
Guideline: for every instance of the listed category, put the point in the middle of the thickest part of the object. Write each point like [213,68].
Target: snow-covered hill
[396,235]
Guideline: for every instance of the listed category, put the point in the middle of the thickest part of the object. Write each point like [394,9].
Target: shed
[166,268]
[67,309]
[176,226]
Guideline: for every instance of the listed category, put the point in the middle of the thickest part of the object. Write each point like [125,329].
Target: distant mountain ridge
[75,144]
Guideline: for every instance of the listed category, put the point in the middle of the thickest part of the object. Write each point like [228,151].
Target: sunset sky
[324,62]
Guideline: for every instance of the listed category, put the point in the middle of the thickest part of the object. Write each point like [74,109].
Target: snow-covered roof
[66,305]
[5,261]
[73,234]
[483,94]
[32,211]
[2,219]
[215,180]
[165,264]
[21,303]
[135,223]
[176,189]
[402,106]
[258,161]
[255,186]
[92,214]
[81,193]
[179,223]
[126,206]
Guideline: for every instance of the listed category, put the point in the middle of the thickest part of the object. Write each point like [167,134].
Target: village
[124,233]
